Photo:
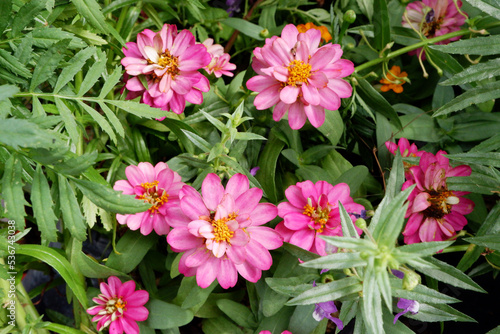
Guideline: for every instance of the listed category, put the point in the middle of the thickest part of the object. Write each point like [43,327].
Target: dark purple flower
[233,6]
[406,305]
[325,310]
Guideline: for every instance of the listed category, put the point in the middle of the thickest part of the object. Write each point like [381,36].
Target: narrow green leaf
[198,141]
[491,144]
[477,72]
[336,261]
[384,286]
[41,199]
[480,158]
[483,180]
[48,62]
[11,63]
[109,199]
[237,312]
[158,310]
[420,293]
[449,274]
[138,109]
[245,27]
[45,36]
[23,133]
[492,8]
[299,252]
[25,15]
[267,163]
[54,259]
[103,123]
[439,312]
[291,286]
[349,243]
[354,177]
[74,66]
[220,325]
[377,102]
[93,74]
[68,118]
[91,10]
[483,46]
[61,329]
[130,250]
[248,136]
[348,229]
[328,292]
[425,248]
[90,268]
[72,216]
[421,127]
[445,61]
[489,91]
[381,24]
[490,241]
[12,191]
[5,14]
[372,303]
[111,81]
[117,125]
[76,165]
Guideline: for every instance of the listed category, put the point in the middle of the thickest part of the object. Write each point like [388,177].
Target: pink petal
[279,110]
[134,175]
[321,58]
[212,191]
[464,207]
[126,289]
[265,236]
[227,276]
[192,204]
[137,313]
[116,327]
[263,213]
[261,82]
[303,238]
[295,197]
[249,272]
[289,35]
[248,201]
[456,220]
[181,239]
[428,230]
[289,94]
[297,221]
[129,326]
[341,87]
[315,114]
[311,94]
[207,272]
[236,254]
[329,99]
[237,185]
[124,186]
[296,115]
[267,98]
[420,203]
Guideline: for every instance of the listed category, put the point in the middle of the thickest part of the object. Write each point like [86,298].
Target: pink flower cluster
[435,213]
[311,211]
[119,306]
[169,62]
[298,76]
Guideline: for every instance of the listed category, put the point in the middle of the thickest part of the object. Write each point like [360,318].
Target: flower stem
[452,249]
[410,48]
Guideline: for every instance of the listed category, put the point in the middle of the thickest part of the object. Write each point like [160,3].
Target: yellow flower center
[221,230]
[298,73]
[166,60]
[153,195]
[441,202]
[114,305]
[319,215]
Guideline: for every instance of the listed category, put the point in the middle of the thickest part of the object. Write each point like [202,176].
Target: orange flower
[394,80]
[325,35]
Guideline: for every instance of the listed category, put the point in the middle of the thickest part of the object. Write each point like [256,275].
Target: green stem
[410,48]
[460,248]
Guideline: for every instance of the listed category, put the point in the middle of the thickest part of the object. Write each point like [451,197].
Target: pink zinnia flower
[119,307]
[406,150]
[433,18]
[170,62]
[221,234]
[435,212]
[312,210]
[157,185]
[298,76]
[219,65]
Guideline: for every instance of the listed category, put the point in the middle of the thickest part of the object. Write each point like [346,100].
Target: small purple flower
[407,305]
[254,170]
[362,214]
[325,310]
[233,6]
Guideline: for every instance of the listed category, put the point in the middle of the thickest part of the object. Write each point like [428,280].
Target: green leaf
[220,325]
[54,259]
[7,91]
[477,72]
[420,293]
[61,329]
[333,127]
[12,191]
[109,199]
[76,165]
[46,36]
[23,133]
[93,74]
[245,27]
[90,268]
[302,323]
[47,63]
[439,312]
[11,63]
[492,8]
[117,125]
[68,118]
[377,102]
[218,124]
[483,46]
[449,274]
[41,199]
[248,136]
[445,61]
[372,303]
[299,252]
[421,127]
[74,66]
[5,14]
[425,248]
[267,163]
[111,81]
[490,241]
[291,286]
[348,229]
[238,313]
[491,144]
[349,243]
[158,311]
[72,216]
[100,120]
[138,109]
[381,24]
[480,158]
[489,91]
[25,15]
[328,292]
[198,141]
[354,177]
[336,261]
[130,250]
[391,220]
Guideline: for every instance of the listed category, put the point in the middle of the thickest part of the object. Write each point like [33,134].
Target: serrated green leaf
[111,81]
[117,125]
[68,118]
[89,37]
[484,46]
[445,61]
[439,312]
[41,200]
[377,102]
[490,9]
[130,250]
[71,214]
[477,72]
[480,158]
[25,15]
[336,261]
[291,286]
[47,63]
[45,36]
[74,66]
[483,180]
[76,165]
[109,199]
[491,144]
[103,123]
[54,259]
[489,91]
[93,74]
[138,109]
[23,133]
[449,274]
[245,27]
[11,63]
[328,292]
[12,191]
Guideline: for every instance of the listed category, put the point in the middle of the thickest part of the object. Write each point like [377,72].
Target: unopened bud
[350,16]
[411,280]
[264,33]
[361,223]
[326,278]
